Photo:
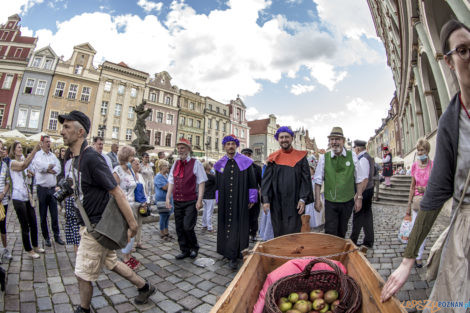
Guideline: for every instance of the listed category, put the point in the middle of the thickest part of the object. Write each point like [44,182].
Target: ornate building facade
[191,120]
[239,123]
[424,84]
[262,140]
[217,123]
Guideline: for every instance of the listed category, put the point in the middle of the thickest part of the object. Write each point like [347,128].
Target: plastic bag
[405,229]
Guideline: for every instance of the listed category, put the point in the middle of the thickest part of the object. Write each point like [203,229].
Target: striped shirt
[4,178]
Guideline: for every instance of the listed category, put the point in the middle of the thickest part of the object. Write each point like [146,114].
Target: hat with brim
[360,143]
[336,132]
[76,116]
[184,141]
[247,150]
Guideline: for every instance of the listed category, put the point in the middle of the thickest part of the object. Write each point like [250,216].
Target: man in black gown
[236,193]
[254,211]
[286,186]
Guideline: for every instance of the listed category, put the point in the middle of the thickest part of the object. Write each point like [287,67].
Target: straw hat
[336,132]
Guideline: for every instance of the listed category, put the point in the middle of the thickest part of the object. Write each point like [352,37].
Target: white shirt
[108,161]
[41,164]
[198,170]
[364,164]
[359,172]
[386,159]
[18,184]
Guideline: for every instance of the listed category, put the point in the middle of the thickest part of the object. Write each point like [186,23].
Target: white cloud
[252,113]
[326,75]
[20,7]
[299,89]
[149,6]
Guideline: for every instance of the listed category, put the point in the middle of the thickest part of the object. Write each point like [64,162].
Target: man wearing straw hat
[339,170]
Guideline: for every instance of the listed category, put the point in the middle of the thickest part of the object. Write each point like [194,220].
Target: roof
[258,126]
[123,64]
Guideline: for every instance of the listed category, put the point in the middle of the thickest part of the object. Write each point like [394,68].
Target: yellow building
[191,120]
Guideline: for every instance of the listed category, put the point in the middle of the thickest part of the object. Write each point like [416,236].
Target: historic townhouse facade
[120,90]
[217,121]
[15,52]
[74,87]
[424,84]
[191,120]
[162,98]
[238,122]
[32,97]
[262,140]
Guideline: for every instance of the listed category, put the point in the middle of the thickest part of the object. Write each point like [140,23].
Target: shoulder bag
[111,230]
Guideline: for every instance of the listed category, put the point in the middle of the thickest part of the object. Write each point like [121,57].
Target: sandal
[134,262]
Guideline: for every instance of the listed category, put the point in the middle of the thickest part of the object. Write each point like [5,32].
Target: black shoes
[193,254]
[47,242]
[233,264]
[418,265]
[144,295]
[182,255]
[59,241]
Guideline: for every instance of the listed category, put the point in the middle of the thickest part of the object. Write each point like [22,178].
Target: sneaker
[6,254]
[79,310]
[39,250]
[134,262]
[33,254]
[144,296]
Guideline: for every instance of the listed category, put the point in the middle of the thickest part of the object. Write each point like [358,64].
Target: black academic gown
[283,186]
[233,218]
[254,211]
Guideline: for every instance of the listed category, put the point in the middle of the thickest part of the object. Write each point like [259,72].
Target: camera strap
[78,202]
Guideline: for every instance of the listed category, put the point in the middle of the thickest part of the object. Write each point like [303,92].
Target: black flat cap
[76,116]
[360,143]
[247,150]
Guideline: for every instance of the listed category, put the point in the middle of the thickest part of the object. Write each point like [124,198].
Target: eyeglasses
[462,51]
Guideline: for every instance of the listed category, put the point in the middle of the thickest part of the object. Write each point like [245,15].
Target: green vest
[339,177]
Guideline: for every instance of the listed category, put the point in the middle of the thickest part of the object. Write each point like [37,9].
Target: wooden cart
[243,292]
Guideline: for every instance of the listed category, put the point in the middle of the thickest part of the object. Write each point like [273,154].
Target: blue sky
[313,63]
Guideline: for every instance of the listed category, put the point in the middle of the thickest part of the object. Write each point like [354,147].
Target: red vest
[185,187]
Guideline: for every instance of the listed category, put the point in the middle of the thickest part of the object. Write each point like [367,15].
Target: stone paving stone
[203,308]
[111,291]
[99,302]
[122,284]
[118,299]
[177,294]
[198,293]
[28,307]
[124,308]
[211,299]
[107,310]
[44,303]
[59,298]
[27,296]
[170,306]
[158,296]
[63,308]
[12,303]
[190,302]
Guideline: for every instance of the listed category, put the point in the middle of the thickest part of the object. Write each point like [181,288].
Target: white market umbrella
[37,137]
[13,134]
[397,160]
[378,160]
[59,141]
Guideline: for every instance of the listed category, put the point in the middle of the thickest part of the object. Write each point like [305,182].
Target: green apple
[286,306]
[294,297]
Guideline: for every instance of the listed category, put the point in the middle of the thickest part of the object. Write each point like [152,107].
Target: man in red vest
[186,183]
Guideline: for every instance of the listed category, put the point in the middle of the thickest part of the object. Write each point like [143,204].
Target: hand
[357,205]
[51,166]
[408,210]
[318,205]
[38,147]
[168,204]
[2,195]
[421,189]
[199,205]
[132,229]
[301,207]
[266,207]
[250,205]
[397,279]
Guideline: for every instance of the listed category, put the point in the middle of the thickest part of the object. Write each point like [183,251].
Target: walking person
[237,192]
[21,198]
[363,219]
[96,185]
[46,168]
[449,178]
[387,163]
[161,188]
[146,170]
[209,198]
[142,200]
[187,178]
[341,174]
[316,218]
[72,229]
[254,211]
[286,186]
[4,199]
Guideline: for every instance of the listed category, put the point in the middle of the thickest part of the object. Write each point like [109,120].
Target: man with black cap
[254,211]
[96,185]
[364,218]
[341,174]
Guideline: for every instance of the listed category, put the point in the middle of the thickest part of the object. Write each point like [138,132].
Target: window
[48,64]
[108,85]
[168,140]
[258,151]
[130,113]
[158,138]
[217,125]
[190,122]
[191,105]
[101,129]
[169,119]
[217,109]
[216,144]
[225,112]
[243,133]
[224,127]
[59,89]
[41,88]
[150,117]
[133,92]
[198,141]
[34,119]
[78,69]
[53,120]
[182,120]
[190,138]
[115,134]
[72,91]
[36,62]
[2,112]
[104,107]
[8,81]
[198,124]
[29,86]
[153,97]
[239,114]
[85,94]
[121,89]
[209,124]
[22,116]
[118,109]
[210,107]
[18,52]
[167,100]
[159,117]
[5,35]
[128,134]
[236,132]
[208,143]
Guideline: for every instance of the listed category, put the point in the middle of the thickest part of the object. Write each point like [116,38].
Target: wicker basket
[350,296]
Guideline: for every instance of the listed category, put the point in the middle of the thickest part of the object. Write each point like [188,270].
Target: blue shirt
[160,181]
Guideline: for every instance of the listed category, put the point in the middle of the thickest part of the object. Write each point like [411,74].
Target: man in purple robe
[236,193]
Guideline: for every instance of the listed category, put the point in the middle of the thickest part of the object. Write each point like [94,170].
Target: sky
[313,63]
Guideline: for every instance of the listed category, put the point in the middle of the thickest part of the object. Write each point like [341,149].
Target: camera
[65,189]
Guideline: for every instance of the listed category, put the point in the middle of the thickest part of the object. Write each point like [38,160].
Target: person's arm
[411,195]
[266,187]
[200,195]
[18,166]
[318,180]
[168,195]
[305,192]
[125,209]
[57,169]
[7,184]
[116,177]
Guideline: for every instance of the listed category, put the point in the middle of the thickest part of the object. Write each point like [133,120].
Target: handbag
[2,212]
[139,196]
[161,207]
[111,230]
[405,229]
[434,259]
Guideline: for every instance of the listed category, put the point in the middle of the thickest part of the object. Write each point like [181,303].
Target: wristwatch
[360,197]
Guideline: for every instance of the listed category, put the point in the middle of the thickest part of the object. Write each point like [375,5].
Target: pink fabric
[289,268]
[421,175]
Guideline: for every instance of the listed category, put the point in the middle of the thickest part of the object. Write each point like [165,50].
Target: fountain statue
[142,143]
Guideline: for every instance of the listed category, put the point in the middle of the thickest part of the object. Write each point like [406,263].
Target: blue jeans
[164,220]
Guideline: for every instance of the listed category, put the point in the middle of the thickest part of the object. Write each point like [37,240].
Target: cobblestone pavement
[49,285]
